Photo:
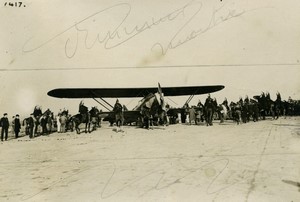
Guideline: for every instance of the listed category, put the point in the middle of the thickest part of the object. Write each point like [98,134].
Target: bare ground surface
[228,162]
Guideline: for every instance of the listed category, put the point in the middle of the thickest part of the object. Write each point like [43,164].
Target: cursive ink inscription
[119,31]
[161,179]
[219,15]
[210,177]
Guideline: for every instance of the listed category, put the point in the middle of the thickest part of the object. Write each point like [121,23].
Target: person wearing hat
[5,125]
[119,118]
[30,123]
[209,109]
[17,126]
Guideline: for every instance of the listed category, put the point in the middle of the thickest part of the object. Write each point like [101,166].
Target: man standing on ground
[63,121]
[209,110]
[58,123]
[31,125]
[13,125]
[17,126]
[118,110]
[192,115]
[4,124]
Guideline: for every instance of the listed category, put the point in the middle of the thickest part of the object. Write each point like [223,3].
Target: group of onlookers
[61,122]
[44,123]
[30,127]
[4,123]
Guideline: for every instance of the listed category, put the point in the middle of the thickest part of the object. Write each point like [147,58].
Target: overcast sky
[247,46]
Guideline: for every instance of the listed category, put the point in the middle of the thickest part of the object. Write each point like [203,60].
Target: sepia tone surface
[247,46]
[227,162]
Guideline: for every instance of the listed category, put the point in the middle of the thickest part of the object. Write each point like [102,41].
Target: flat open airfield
[229,162]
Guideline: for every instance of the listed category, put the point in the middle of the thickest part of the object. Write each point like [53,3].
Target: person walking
[5,125]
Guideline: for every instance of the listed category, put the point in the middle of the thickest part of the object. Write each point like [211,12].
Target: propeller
[161,97]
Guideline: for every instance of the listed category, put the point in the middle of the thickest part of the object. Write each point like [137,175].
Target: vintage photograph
[183,100]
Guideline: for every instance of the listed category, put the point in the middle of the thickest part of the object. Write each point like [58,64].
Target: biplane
[129,115]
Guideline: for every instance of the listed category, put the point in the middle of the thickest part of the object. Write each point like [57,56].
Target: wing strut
[102,100]
[106,102]
[101,104]
[189,99]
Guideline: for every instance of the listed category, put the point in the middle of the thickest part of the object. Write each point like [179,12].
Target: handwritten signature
[209,176]
[162,178]
[119,33]
[218,16]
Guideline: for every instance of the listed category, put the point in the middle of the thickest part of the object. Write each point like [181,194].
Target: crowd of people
[4,123]
[241,111]
[36,124]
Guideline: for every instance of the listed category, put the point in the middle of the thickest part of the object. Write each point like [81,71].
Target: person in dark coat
[209,110]
[31,125]
[17,126]
[119,117]
[44,125]
[5,125]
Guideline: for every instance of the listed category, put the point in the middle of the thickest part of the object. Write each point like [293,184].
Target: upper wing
[130,92]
